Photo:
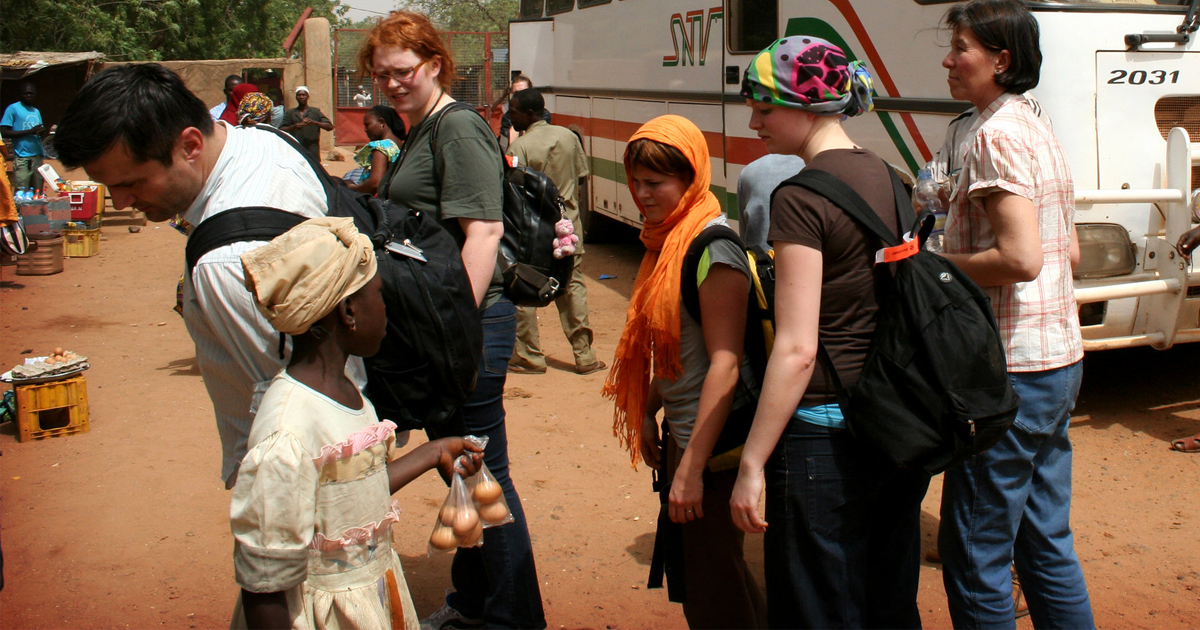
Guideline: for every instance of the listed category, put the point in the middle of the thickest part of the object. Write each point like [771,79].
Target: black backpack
[532,205]
[760,303]
[935,388]
[427,365]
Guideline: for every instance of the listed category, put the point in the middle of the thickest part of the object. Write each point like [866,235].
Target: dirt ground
[126,526]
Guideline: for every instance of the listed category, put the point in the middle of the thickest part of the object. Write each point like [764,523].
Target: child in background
[311,511]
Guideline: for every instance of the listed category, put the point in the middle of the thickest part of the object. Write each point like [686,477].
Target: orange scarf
[651,334]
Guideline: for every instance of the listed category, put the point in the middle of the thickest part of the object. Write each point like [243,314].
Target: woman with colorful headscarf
[692,370]
[254,109]
[843,545]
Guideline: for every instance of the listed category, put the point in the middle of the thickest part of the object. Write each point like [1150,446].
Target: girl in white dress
[311,511]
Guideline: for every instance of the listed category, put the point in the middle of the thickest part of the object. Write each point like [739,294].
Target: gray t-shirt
[681,397]
[471,170]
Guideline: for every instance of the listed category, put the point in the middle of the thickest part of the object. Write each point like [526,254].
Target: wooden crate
[54,409]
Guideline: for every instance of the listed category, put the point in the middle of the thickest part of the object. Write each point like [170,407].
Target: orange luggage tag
[907,249]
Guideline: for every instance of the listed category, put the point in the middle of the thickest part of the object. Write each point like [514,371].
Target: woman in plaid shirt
[1010,226]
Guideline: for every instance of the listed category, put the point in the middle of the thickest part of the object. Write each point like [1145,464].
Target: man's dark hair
[530,101]
[233,77]
[1003,25]
[145,106]
[391,119]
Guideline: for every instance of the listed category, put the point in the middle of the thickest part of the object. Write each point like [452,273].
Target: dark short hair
[660,158]
[1003,25]
[391,119]
[234,77]
[145,106]
[530,101]
[521,78]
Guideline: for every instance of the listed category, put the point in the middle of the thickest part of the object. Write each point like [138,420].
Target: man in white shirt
[138,130]
[362,99]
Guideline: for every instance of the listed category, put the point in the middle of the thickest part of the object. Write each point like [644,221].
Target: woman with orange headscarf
[694,371]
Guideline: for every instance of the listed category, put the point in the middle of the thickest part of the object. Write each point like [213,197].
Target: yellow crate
[81,243]
[54,409]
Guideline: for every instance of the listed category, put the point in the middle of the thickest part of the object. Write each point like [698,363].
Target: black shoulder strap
[691,264]
[237,225]
[844,197]
[386,182]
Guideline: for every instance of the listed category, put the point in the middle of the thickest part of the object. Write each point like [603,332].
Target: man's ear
[191,143]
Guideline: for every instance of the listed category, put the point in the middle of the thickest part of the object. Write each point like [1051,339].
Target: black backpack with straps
[532,275]
[428,363]
[934,389]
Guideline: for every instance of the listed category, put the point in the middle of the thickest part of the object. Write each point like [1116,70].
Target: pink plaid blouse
[1009,149]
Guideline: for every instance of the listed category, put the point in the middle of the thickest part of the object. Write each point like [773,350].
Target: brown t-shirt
[848,305]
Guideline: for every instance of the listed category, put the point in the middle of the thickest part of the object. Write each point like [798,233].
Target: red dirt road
[126,526]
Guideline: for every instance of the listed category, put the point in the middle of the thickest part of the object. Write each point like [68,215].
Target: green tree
[468,15]
[157,30]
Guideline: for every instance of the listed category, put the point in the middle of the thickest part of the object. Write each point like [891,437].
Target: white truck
[1120,80]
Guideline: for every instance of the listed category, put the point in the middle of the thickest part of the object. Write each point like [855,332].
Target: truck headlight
[1105,251]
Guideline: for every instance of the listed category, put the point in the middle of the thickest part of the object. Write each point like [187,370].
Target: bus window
[592,3]
[752,24]
[559,6]
[532,9]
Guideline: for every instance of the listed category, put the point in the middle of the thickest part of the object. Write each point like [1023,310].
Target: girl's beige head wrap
[302,275]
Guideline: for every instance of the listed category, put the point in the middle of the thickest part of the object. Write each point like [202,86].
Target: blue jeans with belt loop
[497,581]
[1013,503]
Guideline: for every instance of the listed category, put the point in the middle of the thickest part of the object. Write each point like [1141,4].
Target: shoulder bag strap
[237,225]
[844,197]
[691,264]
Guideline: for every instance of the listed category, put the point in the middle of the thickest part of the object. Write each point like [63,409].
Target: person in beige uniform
[556,152]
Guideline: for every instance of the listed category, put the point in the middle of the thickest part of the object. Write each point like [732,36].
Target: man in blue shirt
[22,122]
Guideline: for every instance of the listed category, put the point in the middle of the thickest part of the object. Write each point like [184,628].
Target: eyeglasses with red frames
[399,76]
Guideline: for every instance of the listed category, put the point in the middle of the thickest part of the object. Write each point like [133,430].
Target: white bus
[1120,80]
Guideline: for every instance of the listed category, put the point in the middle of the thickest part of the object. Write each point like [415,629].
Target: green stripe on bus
[615,171]
[822,29]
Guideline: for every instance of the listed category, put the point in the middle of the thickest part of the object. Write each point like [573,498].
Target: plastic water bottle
[20,196]
[925,197]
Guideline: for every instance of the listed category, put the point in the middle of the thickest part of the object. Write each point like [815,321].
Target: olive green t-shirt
[471,171]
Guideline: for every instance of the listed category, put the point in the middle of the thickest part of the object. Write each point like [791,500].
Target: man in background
[362,99]
[556,152]
[218,111]
[507,132]
[305,123]
[22,123]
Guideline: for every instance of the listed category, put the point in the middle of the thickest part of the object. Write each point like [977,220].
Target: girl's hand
[743,503]
[449,449]
[687,496]
[651,445]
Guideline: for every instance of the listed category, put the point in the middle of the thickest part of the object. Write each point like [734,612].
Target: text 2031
[1140,77]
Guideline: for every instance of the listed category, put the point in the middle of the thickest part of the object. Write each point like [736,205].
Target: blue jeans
[497,581]
[1013,503]
[843,544]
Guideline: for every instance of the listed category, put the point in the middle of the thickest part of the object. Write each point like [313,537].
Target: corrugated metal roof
[24,63]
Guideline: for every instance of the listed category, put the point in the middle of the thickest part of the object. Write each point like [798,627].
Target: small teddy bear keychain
[564,245]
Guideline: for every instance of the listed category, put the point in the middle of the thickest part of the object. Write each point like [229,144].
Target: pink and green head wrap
[808,73]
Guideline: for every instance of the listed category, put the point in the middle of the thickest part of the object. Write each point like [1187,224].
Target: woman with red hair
[458,181]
